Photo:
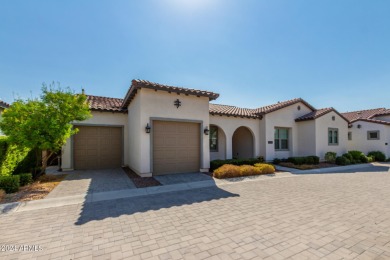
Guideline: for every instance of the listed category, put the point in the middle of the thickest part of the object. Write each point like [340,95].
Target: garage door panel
[98,147]
[176,147]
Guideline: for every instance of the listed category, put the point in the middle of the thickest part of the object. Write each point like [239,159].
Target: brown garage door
[97,147]
[176,147]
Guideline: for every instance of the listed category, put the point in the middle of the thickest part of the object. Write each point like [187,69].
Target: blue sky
[331,53]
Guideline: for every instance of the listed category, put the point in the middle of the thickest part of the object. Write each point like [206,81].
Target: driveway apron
[92,181]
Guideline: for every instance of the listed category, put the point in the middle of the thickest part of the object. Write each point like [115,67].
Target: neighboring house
[3,106]
[369,130]
[159,129]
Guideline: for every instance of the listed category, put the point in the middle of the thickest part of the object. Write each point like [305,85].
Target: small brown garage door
[176,147]
[97,147]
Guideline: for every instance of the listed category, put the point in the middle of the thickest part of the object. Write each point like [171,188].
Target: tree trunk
[45,157]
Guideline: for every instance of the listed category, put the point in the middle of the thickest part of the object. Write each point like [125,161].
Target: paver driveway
[330,216]
[92,181]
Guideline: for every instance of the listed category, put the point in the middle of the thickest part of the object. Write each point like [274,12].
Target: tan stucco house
[159,129]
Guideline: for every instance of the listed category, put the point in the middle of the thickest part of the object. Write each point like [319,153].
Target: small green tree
[45,123]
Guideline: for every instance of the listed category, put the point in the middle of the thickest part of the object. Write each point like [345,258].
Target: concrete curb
[120,194]
[326,170]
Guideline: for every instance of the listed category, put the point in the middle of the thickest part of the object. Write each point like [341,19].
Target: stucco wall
[284,117]
[135,131]
[159,105]
[230,124]
[322,125]
[360,142]
[306,138]
[98,118]
[221,154]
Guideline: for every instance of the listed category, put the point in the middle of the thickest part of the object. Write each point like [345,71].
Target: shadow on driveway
[129,206]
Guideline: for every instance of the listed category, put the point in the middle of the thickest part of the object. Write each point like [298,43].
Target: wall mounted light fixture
[177,103]
[206,131]
[147,128]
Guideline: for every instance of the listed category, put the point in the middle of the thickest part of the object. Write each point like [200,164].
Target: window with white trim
[349,136]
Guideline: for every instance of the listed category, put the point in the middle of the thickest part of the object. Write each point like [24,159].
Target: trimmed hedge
[10,184]
[378,156]
[311,160]
[353,157]
[25,179]
[356,155]
[342,160]
[231,171]
[218,163]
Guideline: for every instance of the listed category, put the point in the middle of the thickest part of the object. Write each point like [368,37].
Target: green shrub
[363,159]
[315,159]
[276,161]
[356,155]
[330,157]
[370,159]
[3,147]
[348,156]
[28,163]
[311,160]
[296,160]
[215,164]
[10,184]
[25,178]
[378,156]
[14,159]
[341,160]
[265,168]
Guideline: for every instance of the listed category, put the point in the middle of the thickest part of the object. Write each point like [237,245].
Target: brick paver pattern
[329,216]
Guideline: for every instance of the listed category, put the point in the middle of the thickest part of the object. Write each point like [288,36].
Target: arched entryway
[243,143]
[217,143]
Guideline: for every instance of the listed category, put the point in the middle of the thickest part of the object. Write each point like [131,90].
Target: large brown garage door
[176,147]
[97,147]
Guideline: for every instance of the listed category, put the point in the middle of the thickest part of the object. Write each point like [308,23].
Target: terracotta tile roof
[4,104]
[384,113]
[105,104]
[216,109]
[363,114]
[256,112]
[138,83]
[318,113]
[280,105]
